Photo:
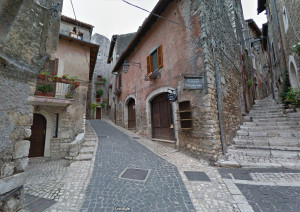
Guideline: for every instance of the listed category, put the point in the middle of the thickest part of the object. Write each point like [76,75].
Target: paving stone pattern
[271,198]
[212,196]
[46,177]
[164,189]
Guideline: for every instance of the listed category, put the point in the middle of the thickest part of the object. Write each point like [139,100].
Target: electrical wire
[159,16]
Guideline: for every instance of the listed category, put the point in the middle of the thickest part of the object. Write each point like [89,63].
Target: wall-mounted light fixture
[126,66]
[256,44]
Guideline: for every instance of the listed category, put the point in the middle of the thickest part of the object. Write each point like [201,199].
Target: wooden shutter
[149,64]
[52,66]
[159,57]
[120,81]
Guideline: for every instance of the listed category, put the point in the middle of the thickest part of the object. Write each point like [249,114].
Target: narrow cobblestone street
[130,173]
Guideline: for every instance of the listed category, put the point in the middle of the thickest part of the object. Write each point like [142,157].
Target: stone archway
[38,135]
[293,73]
[149,99]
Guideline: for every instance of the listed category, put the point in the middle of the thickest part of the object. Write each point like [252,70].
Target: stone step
[260,146]
[83,157]
[277,141]
[255,128]
[264,153]
[288,164]
[264,116]
[296,119]
[89,144]
[87,150]
[271,133]
[282,123]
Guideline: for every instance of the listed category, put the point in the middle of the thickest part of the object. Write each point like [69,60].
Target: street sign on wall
[193,83]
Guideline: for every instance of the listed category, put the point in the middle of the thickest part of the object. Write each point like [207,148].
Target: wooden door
[162,118]
[98,113]
[131,114]
[37,138]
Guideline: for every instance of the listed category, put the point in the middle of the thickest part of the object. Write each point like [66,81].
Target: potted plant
[103,105]
[65,78]
[292,98]
[118,91]
[104,80]
[45,90]
[99,93]
[42,75]
[69,96]
[94,106]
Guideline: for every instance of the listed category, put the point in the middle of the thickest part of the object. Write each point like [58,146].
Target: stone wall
[101,69]
[26,41]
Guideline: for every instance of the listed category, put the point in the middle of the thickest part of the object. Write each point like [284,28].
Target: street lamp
[126,66]
[256,44]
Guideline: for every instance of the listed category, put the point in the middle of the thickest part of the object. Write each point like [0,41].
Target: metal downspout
[218,96]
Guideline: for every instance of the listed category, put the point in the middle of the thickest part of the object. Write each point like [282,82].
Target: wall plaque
[193,83]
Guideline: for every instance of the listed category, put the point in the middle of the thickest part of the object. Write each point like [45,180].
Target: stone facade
[202,46]
[27,38]
[101,72]
[283,34]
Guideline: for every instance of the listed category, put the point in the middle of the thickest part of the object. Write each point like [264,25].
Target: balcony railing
[56,88]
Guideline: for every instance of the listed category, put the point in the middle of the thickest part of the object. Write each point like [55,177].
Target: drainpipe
[218,96]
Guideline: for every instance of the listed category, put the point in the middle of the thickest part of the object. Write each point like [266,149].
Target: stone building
[283,33]
[117,45]
[181,83]
[28,37]
[59,114]
[256,62]
[100,80]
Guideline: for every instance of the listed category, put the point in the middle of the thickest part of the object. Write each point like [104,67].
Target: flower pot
[64,80]
[77,84]
[41,76]
[98,99]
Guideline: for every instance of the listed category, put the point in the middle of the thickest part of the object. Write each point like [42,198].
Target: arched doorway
[131,114]
[38,134]
[161,118]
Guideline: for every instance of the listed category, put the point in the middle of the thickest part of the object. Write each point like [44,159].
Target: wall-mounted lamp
[126,66]
[256,44]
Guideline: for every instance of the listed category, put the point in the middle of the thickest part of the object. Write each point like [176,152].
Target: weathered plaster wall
[24,47]
[189,52]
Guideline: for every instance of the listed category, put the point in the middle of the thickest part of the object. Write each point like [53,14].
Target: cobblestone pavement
[265,189]
[46,177]
[96,185]
[206,196]
[163,190]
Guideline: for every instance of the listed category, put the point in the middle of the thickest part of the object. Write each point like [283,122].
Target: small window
[99,78]
[155,60]
[55,126]
[120,81]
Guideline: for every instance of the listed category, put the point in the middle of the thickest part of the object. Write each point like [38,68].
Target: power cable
[159,16]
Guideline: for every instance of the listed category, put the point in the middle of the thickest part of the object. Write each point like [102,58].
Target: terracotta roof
[148,23]
[76,22]
[94,48]
[253,25]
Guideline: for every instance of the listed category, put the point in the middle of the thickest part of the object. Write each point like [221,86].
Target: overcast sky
[116,17]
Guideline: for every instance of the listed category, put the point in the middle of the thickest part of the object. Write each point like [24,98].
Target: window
[155,60]
[99,78]
[55,126]
[120,81]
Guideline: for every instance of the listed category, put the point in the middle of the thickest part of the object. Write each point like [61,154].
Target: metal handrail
[11,193]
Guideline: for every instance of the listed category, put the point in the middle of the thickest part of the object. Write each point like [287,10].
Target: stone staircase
[89,145]
[268,137]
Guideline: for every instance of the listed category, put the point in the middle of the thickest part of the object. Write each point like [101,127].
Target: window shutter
[149,64]
[52,66]
[159,57]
